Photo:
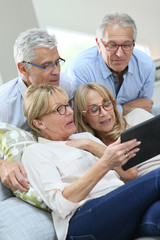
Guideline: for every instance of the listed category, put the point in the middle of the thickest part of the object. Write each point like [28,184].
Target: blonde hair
[37,101]
[80,105]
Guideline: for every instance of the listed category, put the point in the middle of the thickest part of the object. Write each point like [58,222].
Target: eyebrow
[43,63]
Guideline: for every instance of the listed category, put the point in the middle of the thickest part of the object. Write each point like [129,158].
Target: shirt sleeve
[79,74]
[67,84]
[148,86]
[46,180]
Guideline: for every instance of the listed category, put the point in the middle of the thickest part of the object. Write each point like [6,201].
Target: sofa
[23,215]
[21,220]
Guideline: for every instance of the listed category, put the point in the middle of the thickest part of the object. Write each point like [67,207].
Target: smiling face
[117,60]
[55,126]
[106,120]
[44,56]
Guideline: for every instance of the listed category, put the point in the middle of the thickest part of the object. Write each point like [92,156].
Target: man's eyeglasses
[115,46]
[50,66]
[96,110]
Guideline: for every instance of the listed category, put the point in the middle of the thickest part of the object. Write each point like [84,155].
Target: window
[71,43]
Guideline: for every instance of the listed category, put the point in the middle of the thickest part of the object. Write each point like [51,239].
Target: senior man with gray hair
[115,63]
[37,60]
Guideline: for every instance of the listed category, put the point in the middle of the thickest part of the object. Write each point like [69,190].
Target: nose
[69,110]
[55,69]
[103,111]
[119,51]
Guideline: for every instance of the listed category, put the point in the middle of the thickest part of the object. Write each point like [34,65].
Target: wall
[15,17]
[80,16]
[85,15]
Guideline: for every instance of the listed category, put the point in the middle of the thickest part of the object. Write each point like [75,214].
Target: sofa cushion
[20,220]
[13,141]
[5,192]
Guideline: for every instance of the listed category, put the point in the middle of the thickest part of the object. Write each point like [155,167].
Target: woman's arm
[127,175]
[98,149]
[89,145]
[114,156]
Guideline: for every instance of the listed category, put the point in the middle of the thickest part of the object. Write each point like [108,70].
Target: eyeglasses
[115,46]
[96,110]
[48,67]
[62,109]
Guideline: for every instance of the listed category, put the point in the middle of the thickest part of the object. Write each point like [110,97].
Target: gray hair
[116,19]
[30,40]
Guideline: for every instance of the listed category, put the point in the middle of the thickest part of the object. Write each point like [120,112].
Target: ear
[22,69]
[39,124]
[98,46]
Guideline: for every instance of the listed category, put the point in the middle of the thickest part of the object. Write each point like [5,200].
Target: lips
[106,121]
[53,81]
[70,122]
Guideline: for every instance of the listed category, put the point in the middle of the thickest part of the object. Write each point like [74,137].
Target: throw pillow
[13,141]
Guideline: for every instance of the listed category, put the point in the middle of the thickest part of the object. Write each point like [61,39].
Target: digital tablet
[148,132]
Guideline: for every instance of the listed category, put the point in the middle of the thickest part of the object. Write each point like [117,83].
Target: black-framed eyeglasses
[62,109]
[95,110]
[50,66]
[114,46]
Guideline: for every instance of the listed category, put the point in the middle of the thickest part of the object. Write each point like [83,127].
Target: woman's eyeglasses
[96,110]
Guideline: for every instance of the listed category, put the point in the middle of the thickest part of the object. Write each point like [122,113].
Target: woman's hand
[117,154]
[79,143]
[89,145]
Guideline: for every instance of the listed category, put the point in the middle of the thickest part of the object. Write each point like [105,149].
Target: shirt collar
[43,140]
[106,72]
[22,87]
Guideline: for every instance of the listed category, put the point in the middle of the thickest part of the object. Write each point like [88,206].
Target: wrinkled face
[44,57]
[103,122]
[56,126]
[117,60]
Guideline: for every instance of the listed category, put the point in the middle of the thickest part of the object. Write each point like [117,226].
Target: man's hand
[144,103]
[13,175]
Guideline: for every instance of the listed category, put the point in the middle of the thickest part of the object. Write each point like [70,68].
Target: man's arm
[13,175]
[144,103]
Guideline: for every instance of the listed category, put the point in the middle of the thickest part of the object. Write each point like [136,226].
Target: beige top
[137,116]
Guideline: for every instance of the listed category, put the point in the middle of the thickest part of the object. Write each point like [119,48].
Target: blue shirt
[89,66]
[12,97]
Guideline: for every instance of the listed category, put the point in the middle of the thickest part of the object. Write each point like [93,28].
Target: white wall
[15,17]
[85,15]
[82,16]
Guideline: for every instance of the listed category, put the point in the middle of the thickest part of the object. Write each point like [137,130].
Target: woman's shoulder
[86,135]
[137,116]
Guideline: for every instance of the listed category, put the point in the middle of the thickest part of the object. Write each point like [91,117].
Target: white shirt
[53,165]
